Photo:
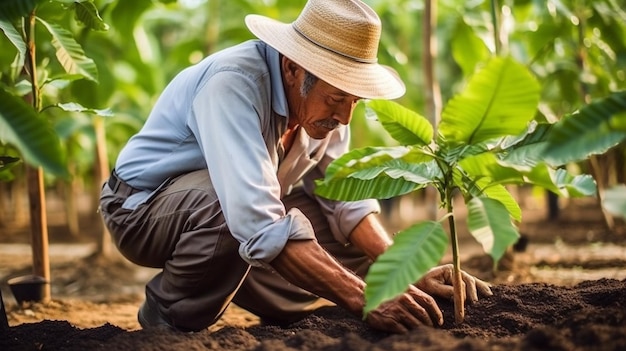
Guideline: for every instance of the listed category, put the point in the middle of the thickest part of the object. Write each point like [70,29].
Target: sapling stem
[457,281]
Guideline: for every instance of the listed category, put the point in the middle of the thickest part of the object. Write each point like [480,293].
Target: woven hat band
[354,34]
[353,58]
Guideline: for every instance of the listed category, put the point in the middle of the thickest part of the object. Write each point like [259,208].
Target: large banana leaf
[592,130]
[490,224]
[405,125]
[500,99]
[414,251]
[30,134]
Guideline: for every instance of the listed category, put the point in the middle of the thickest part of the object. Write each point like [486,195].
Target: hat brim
[365,80]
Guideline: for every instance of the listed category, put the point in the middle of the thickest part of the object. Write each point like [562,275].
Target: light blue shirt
[227,114]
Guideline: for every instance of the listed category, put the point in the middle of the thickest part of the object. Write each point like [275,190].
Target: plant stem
[495,11]
[457,281]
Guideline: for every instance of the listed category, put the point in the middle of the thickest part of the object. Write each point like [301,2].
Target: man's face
[322,109]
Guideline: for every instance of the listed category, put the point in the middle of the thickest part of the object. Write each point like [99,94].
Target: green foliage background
[576,49]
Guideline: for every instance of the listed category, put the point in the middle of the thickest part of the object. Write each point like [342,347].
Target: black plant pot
[28,288]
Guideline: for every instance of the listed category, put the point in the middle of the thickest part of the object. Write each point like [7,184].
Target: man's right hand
[406,312]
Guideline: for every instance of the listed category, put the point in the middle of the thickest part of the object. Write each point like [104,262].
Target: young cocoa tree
[487,138]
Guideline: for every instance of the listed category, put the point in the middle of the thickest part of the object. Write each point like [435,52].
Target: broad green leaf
[589,131]
[15,38]
[87,13]
[76,107]
[381,182]
[352,189]
[366,157]
[560,182]
[490,224]
[614,200]
[500,99]
[403,124]
[527,153]
[487,165]
[69,53]
[468,49]
[14,9]
[413,253]
[30,134]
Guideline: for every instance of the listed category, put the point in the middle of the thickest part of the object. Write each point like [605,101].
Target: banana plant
[486,132]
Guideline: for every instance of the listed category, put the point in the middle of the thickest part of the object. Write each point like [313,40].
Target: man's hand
[406,312]
[438,282]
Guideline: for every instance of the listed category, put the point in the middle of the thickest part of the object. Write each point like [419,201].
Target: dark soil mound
[537,316]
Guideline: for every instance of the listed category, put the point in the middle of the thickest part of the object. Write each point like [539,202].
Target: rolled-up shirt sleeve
[227,121]
[342,216]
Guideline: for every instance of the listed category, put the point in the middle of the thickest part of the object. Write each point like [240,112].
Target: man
[217,187]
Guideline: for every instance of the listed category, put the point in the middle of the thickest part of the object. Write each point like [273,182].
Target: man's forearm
[306,264]
[370,236]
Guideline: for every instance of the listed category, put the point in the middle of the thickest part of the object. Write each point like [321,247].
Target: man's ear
[291,71]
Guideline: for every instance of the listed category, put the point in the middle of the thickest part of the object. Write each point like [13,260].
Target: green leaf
[76,107]
[591,130]
[69,53]
[377,172]
[14,9]
[614,200]
[560,182]
[87,13]
[414,251]
[7,162]
[468,49]
[403,124]
[526,153]
[15,38]
[490,224]
[499,100]
[30,134]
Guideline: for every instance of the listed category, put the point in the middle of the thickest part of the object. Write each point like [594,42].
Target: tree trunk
[39,226]
[70,196]
[102,173]
[432,91]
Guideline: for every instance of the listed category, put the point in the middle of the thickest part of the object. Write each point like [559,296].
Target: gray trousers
[182,230]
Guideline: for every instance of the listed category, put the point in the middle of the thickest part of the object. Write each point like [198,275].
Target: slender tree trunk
[432,91]
[71,207]
[39,226]
[102,173]
[34,176]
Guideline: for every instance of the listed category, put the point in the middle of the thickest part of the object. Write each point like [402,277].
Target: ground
[565,289]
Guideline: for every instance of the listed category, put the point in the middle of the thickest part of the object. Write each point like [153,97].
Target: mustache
[328,123]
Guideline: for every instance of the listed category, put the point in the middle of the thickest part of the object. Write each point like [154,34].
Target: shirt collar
[279,100]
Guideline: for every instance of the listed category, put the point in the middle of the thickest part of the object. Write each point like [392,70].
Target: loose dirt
[564,289]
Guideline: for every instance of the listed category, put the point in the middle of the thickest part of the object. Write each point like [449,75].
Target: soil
[562,288]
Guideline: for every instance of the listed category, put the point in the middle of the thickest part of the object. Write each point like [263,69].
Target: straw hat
[337,41]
